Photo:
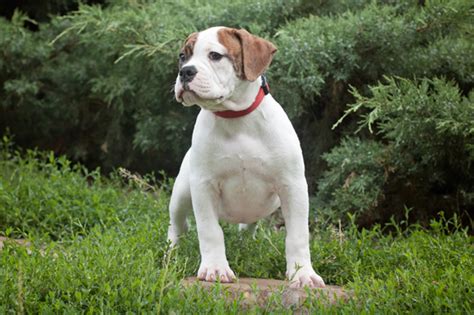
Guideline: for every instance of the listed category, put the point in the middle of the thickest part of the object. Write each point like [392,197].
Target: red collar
[264,90]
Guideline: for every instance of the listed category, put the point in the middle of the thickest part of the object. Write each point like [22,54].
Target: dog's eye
[215,56]
[182,57]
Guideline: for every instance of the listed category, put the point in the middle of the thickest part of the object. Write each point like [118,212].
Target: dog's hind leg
[180,204]
[249,228]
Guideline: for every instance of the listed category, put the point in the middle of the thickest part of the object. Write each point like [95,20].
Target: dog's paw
[174,233]
[305,277]
[173,237]
[248,229]
[214,271]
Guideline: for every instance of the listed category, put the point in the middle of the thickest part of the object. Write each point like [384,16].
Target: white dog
[245,160]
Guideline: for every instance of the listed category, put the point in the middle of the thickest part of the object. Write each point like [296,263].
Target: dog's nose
[187,74]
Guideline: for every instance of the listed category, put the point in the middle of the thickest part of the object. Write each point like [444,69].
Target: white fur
[239,170]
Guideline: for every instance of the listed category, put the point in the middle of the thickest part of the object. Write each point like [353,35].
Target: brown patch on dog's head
[250,54]
[188,48]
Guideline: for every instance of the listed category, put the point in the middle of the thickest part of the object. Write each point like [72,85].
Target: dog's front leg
[295,208]
[214,265]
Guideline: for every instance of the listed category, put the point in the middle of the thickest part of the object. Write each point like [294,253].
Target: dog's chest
[242,156]
[245,175]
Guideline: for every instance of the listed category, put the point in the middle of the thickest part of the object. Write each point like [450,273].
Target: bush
[40,11]
[354,180]
[102,92]
[360,47]
[424,152]
[427,122]
[321,56]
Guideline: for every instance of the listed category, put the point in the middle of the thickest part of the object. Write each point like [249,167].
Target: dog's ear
[251,54]
[189,43]
[257,54]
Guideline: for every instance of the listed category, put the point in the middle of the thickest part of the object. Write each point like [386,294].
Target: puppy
[245,160]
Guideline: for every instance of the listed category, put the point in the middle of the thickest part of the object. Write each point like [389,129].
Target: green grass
[99,245]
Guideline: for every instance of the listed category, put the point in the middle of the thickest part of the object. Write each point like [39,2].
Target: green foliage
[20,50]
[354,180]
[429,122]
[360,47]
[320,56]
[127,267]
[49,196]
[426,132]
[100,90]
[40,10]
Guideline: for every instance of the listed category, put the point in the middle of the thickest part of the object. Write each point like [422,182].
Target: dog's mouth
[190,97]
[186,95]
[179,98]
[180,94]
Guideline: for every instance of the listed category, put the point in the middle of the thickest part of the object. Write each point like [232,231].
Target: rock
[21,242]
[260,291]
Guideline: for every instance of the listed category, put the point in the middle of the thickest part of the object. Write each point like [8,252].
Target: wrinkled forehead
[204,42]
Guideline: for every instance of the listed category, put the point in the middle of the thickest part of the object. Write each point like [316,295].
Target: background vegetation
[93,80]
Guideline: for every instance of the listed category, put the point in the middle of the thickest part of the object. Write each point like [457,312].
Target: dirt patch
[21,242]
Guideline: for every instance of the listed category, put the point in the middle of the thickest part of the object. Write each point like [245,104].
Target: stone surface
[260,291]
[22,242]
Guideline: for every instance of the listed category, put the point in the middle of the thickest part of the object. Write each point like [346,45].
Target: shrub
[354,180]
[360,47]
[40,11]
[102,92]
[423,158]
[427,122]
[321,56]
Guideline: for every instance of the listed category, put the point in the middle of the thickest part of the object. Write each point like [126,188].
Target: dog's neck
[244,95]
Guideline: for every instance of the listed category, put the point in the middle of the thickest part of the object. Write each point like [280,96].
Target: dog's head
[214,63]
